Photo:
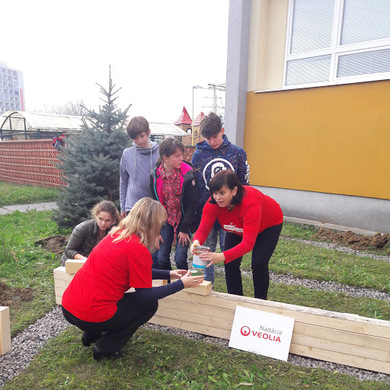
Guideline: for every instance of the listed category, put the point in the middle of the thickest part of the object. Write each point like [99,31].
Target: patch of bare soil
[53,244]
[10,296]
[355,241]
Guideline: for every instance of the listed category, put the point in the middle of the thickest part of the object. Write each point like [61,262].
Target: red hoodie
[253,215]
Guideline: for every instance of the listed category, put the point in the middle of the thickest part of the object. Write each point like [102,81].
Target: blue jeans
[211,242]
[167,234]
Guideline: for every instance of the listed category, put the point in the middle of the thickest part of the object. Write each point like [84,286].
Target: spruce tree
[90,161]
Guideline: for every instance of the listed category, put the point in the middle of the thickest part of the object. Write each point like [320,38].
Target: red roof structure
[184,118]
[198,119]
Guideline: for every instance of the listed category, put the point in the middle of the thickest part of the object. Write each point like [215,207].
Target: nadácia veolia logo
[269,334]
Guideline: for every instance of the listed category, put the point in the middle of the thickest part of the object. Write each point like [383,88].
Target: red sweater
[254,214]
[110,270]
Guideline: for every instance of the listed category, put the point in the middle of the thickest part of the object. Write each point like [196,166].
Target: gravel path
[28,343]
[329,286]
[339,248]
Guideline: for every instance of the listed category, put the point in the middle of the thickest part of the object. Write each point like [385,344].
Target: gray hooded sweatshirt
[135,166]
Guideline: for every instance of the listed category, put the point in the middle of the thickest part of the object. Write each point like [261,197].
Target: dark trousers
[261,254]
[114,333]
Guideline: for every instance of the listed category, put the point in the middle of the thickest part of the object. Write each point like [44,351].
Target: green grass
[159,360]
[304,232]
[310,262]
[23,264]
[308,232]
[303,296]
[11,194]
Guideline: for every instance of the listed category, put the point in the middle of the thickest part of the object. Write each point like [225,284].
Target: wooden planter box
[320,334]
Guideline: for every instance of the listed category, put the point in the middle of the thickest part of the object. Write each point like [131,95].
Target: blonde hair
[108,207]
[145,220]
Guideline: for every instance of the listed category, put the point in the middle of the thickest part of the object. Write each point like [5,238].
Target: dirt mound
[53,244]
[10,296]
[355,241]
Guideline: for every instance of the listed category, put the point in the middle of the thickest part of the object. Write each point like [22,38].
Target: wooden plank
[342,336]
[194,318]
[5,330]
[226,315]
[166,321]
[350,322]
[341,358]
[338,340]
[73,265]
[341,347]
[190,326]
[60,274]
[359,347]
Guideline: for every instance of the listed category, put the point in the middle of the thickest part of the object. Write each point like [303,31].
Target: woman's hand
[195,243]
[191,281]
[157,244]
[212,257]
[177,273]
[184,238]
[78,256]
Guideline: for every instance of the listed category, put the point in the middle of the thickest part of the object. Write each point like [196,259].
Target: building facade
[11,89]
[307,96]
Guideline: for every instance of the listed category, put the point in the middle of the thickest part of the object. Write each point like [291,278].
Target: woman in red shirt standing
[96,300]
[253,222]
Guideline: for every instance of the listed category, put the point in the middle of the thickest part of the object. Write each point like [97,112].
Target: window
[337,41]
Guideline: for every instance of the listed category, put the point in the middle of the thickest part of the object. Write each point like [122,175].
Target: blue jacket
[208,161]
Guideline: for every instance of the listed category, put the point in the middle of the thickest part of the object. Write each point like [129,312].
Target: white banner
[262,333]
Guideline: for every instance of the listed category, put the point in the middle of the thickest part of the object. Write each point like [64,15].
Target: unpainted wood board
[190,326]
[342,336]
[340,358]
[60,274]
[335,320]
[194,318]
[193,314]
[190,307]
[73,265]
[342,347]
[5,330]
[159,320]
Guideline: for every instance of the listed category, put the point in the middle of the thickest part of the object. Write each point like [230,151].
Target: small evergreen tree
[90,161]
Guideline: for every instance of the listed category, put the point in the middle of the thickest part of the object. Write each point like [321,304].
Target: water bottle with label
[197,262]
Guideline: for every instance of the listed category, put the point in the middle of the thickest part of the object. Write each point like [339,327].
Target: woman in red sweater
[253,222]
[96,300]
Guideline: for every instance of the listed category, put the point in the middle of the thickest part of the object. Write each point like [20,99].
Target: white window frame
[335,51]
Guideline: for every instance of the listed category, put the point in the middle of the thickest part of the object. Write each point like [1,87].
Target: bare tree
[75,107]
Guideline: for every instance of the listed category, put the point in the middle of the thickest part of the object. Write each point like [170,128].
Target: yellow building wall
[332,139]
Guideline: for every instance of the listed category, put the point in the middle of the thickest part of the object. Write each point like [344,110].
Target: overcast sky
[158,50]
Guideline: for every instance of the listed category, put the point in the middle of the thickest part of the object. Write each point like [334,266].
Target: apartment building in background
[11,89]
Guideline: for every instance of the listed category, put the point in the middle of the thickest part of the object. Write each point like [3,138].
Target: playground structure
[320,334]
